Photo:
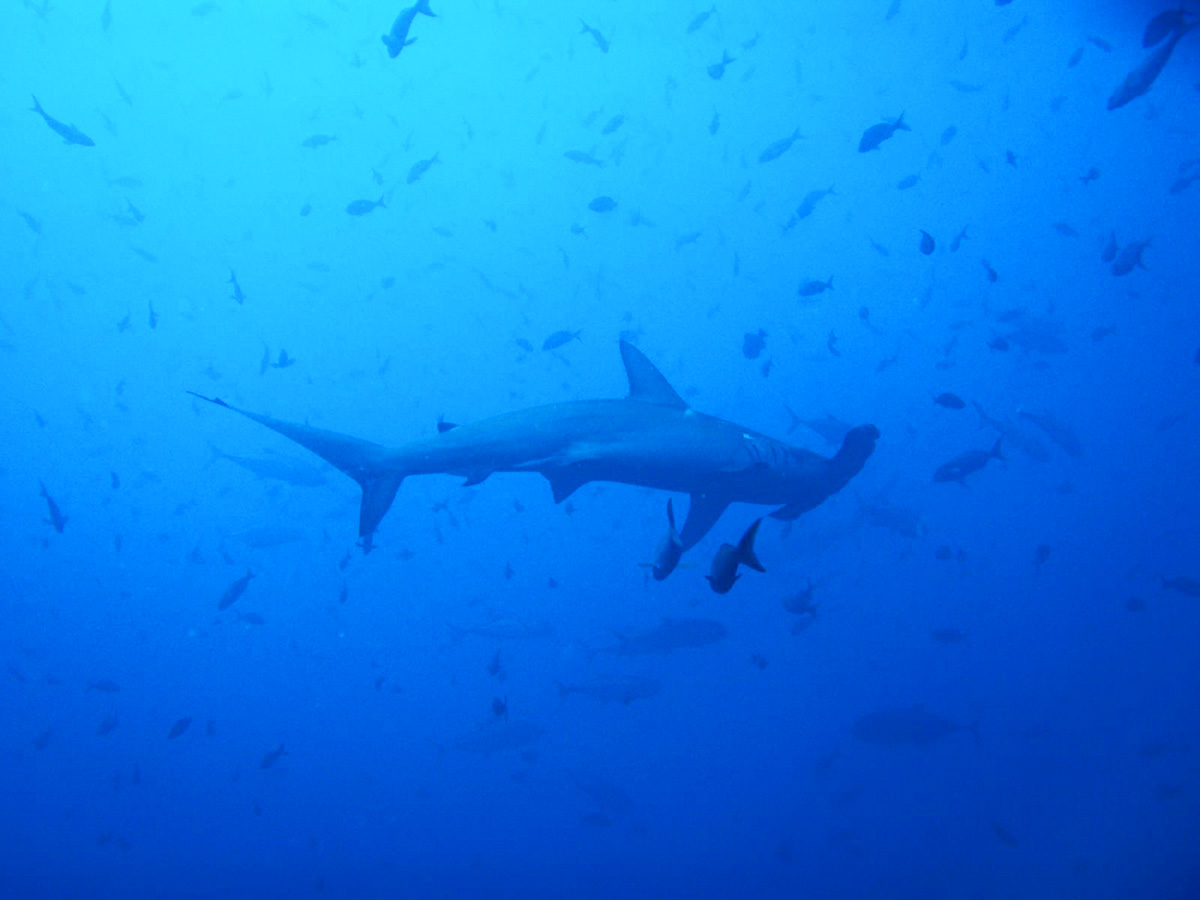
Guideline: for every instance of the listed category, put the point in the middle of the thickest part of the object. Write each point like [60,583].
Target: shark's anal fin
[703,513]
[565,482]
[646,383]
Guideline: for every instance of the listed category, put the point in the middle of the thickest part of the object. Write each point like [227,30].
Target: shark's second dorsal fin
[646,383]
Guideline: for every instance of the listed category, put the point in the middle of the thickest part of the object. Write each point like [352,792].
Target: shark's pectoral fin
[565,482]
[703,513]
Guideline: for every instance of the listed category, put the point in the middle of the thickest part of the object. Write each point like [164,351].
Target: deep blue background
[733,780]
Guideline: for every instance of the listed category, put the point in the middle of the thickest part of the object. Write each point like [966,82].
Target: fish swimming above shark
[652,438]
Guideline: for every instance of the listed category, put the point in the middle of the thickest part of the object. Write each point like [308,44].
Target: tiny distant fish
[108,726]
[179,727]
[104,686]
[603,204]
[235,590]
[34,225]
[777,148]
[1041,554]
[1101,43]
[613,124]
[251,618]
[1129,258]
[948,134]
[1182,584]
[813,287]
[601,40]
[362,207]
[909,181]
[1065,229]
[237,288]
[586,159]
[57,520]
[724,570]
[753,344]
[992,276]
[1089,176]
[950,401]
[68,133]
[1100,332]
[698,20]
[967,463]
[500,707]
[271,757]
[1075,57]
[397,39]
[948,635]
[927,244]
[419,168]
[1004,835]
[714,124]
[877,134]
[717,70]
[318,140]
[559,338]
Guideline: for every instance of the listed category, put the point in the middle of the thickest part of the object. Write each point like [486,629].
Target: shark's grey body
[651,439]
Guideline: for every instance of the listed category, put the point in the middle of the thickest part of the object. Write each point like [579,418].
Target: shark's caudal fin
[363,461]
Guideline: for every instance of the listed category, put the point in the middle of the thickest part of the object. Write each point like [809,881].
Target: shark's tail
[363,461]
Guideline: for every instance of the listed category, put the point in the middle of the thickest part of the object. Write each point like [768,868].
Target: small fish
[698,20]
[724,570]
[991,274]
[909,181]
[948,635]
[500,707]
[1189,587]
[57,519]
[1129,258]
[559,338]
[179,727]
[108,726]
[318,140]
[877,134]
[809,204]
[235,590]
[104,686]
[237,288]
[717,70]
[271,757]
[1041,554]
[948,134]
[1065,229]
[583,158]
[419,168]
[814,287]
[753,344]
[950,401]
[362,207]
[967,463]
[601,40]
[603,204]
[777,148]
[34,225]
[1075,57]
[283,361]
[1089,176]
[670,549]
[68,133]
[613,124]
[927,245]
[714,124]
[1101,43]
[397,39]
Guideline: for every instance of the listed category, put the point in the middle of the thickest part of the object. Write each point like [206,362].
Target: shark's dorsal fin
[646,383]
[703,513]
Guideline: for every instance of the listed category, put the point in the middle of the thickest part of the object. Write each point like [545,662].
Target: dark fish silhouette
[698,20]
[419,168]
[57,520]
[877,134]
[967,463]
[362,207]
[1182,584]
[724,571]
[950,401]
[179,727]
[1129,258]
[235,590]
[717,70]
[1163,24]
[271,757]
[927,244]
[670,549]
[397,39]
[601,40]
[603,204]
[237,288]
[1142,78]
[68,133]
[777,148]
[814,287]
[559,339]
[1057,431]
[318,140]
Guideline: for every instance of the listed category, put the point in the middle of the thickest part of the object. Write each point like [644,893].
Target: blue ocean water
[964,674]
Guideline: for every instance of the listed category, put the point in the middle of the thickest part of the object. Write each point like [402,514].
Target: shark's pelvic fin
[703,513]
[564,482]
[646,383]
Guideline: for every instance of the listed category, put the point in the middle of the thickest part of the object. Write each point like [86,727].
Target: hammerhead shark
[652,438]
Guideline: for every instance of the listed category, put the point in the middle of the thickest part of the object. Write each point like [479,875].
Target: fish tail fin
[746,555]
[37,107]
[900,124]
[363,461]
[423,8]
[585,29]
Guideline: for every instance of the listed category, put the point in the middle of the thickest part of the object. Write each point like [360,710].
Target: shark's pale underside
[652,438]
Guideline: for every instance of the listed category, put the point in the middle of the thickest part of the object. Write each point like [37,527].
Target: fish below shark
[652,438]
